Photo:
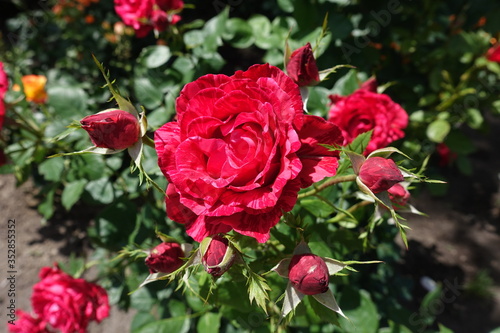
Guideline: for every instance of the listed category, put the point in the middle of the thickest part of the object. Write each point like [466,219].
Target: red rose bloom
[302,67]
[365,110]
[165,258]
[493,53]
[66,303]
[114,129]
[239,152]
[380,174]
[398,194]
[25,323]
[308,274]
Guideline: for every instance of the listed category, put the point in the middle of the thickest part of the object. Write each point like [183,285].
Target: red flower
[66,303]
[143,15]
[136,13]
[240,151]
[217,255]
[25,323]
[302,67]
[446,156]
[493,53]
[113,129]
[308,274]
[365,110]
[379,174]
[165,258]
[399,195]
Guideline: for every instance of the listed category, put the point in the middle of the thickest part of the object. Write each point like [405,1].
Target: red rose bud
[302,67]
[114,129]
[369,85]
[398,194]
[217,255]
[308,274]
[165,258]
[379,174]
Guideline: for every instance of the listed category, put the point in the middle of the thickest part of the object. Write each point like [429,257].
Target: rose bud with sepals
[379,174]
[112,129]
[217,255]
[165,258]
[302,68]
[308,274]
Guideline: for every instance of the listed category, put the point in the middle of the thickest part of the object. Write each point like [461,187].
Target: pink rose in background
[136,13]
[380,174]
[493,53]
[308,274]
[165,258]
[113,129]
[239,152]
[146,15]
[302,68]
[25,323]
[366,110]
[66,303]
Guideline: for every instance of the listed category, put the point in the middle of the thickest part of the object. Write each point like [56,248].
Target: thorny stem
[333,181]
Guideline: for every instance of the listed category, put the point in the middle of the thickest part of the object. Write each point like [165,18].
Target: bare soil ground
[38,246]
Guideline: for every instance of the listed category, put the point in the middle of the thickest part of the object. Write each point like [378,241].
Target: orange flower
[34,88]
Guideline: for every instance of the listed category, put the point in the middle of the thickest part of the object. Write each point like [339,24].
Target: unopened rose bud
[308,274]
[114,129]
[399,195]
[217,255]
[165,258]
[302,67]
[379,174]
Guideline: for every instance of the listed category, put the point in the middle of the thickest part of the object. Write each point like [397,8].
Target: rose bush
[366,110]
[66,303]
[239,152]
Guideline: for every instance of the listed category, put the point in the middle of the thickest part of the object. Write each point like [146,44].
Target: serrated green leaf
[359,144]
[257,290]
